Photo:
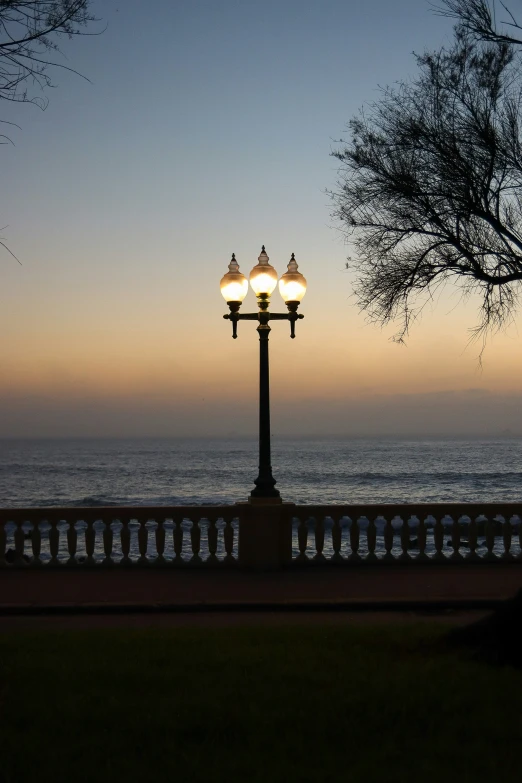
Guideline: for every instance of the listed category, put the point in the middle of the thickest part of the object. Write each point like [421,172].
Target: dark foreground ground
[220,618]
[258,703]
[196,676]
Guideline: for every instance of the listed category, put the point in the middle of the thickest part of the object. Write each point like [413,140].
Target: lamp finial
[292,264]
[233,266]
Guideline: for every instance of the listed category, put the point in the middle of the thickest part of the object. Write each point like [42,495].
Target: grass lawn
[254,704]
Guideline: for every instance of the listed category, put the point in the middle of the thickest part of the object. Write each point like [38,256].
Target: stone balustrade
[260,535]
[124,536]
[423,533]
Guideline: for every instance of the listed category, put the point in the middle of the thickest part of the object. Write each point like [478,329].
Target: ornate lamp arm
[263,316]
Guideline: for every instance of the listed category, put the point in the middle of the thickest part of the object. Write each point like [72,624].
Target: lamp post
[292,287]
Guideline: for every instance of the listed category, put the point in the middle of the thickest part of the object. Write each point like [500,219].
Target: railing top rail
[408,509]
[231,511]
[117,512]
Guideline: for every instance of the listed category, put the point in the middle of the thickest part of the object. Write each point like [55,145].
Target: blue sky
[204,117]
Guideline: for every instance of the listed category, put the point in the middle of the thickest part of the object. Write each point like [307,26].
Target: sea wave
[171,472]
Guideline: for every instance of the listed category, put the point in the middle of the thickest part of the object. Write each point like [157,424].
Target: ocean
[98,472]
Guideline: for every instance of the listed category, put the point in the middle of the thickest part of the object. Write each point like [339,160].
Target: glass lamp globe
[263,277]
[234,285]
[292,285]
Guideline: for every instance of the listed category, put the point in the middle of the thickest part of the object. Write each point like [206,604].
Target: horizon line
[254,436]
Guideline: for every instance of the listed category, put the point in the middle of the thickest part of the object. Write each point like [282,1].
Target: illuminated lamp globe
[234,285]
[263,277]
[292,285]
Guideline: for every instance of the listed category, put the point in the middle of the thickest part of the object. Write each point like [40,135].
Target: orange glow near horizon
[335,356]
[151,354]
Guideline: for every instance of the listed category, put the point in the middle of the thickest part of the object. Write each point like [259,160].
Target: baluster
[388,540]
[455,539]
[3,543]
[489,531]
[19,544]
[302,540]
[336,540]
[72,542]
[464,525]
[472,538]
[371,538]
[160,541]
[228,537]
[125,537]
[54,542]
[319,539]
[421,539]
[212,533]
[36,543]
[507,535]
[405,540]
[107,542]
[195,541]
[143,538]
[354,541]
[177,536]
[89,541]
[438,540]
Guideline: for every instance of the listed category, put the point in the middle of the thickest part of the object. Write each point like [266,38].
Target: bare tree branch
[477,18]
[430,186]
[30,32]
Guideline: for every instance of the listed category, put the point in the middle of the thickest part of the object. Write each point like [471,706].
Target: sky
[206,128]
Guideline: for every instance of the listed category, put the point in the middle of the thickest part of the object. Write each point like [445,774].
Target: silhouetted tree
[477,18]
[30,31]
[430,186]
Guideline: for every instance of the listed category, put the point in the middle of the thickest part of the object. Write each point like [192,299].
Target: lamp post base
[265,485]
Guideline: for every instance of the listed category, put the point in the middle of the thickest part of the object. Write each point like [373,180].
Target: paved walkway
[143,598]
[135,589]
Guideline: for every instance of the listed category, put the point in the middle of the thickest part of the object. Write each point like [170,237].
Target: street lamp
[292,287]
